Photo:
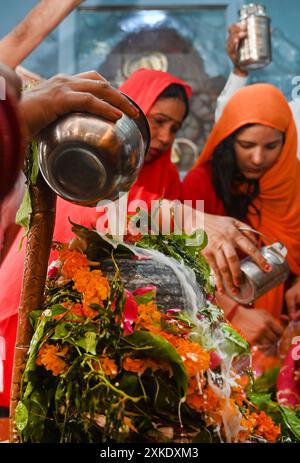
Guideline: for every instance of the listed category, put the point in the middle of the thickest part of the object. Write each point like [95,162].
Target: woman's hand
[292,299]
[259,327]
[236,33]
[86,92]
[224,238]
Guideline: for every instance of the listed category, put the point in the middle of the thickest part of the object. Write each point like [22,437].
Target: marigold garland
[79,327]
[52,357]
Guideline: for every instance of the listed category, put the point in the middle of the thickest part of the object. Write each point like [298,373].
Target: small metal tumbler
[256,282]
[255,51]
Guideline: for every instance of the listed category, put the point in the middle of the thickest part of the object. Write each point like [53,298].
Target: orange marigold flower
[134,365]
[88,312]
[73,309]
[207,401]
[266,427]
[52,358]
[196,385]
[139,366]
[238,389]
[72,260]
[77,309]
[109,366]
[248,422]
[128,424]
[83,311]
[195,359]
[149,316]
[93,285]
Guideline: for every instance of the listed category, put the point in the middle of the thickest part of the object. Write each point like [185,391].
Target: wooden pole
[32,30]
[35,272]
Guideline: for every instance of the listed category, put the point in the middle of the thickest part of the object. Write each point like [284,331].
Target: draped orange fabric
[279,197]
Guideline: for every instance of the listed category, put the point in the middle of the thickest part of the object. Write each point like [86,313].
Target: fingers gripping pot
[86,159]
[255,281]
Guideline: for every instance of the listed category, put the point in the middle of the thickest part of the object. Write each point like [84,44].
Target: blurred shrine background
[186,38]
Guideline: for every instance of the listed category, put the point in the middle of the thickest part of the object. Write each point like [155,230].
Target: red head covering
[158,178]
[145,85]
[279,196]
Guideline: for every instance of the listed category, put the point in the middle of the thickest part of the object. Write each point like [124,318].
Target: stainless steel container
[256,282]
[86,159]
[255,51]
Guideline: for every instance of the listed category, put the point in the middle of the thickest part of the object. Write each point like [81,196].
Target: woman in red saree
[164,99]
[249,170]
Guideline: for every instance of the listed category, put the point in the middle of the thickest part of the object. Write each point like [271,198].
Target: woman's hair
[176,91]
[227,179]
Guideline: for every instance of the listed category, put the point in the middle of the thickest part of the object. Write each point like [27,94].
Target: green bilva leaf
[21,416]
[267,381]
[23,216]
[34,345]
[28,390]
[130,384]
[158,348]
[24,212]
[196,242]
[261,400]
[203,437]
[279,414]
[233,343]
[62,331]
[34,317]
[98,247]
[57,309]
[42,401]
[166,397]
[34,162]
[88,342]
[291,420]
[145,298]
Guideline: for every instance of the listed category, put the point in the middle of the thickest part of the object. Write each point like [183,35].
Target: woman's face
[165,119]
[257,148]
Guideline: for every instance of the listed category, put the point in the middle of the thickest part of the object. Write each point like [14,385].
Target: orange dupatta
[279,197]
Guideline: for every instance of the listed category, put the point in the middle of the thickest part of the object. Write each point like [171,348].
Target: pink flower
[145,290]
[173,311]
[135,257]
[214,360]
[127,328]
[130,312]
[53,269]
